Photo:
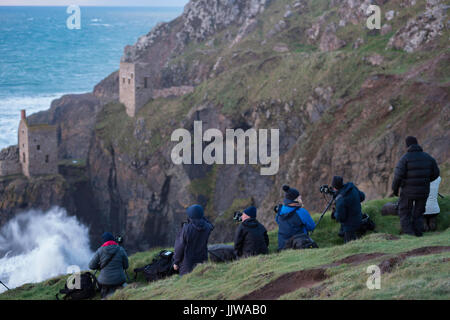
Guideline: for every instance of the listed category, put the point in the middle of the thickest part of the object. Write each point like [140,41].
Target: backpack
[221,253]
[88,287]
[390,209]
[300,241]
[367,224]
[160,268]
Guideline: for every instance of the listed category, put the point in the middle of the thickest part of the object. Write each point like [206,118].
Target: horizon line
[87,5]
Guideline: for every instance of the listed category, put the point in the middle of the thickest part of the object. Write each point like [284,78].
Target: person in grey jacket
[112,261]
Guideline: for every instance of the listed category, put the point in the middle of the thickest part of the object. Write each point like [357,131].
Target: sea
[41,58]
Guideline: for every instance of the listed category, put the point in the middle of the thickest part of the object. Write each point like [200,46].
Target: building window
[38,147]
[46,158]
[145,82]
[131,76]
[129,81]
[23,158]
[123,80]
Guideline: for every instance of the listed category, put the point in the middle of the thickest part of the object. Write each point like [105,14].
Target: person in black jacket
[413,174]
[251,236]
[348,208]
[191,244]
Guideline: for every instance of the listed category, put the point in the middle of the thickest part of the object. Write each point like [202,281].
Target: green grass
[421,277]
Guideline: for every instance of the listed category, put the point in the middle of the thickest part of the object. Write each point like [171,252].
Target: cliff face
[343,97]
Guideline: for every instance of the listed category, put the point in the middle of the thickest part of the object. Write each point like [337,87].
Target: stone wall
[9,161]
[23,147]
[172,92]
[42,150]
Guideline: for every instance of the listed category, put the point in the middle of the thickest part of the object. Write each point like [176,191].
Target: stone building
[135,87]
[38,148]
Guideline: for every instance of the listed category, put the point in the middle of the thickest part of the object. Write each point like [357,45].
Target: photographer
[191,244]
[111,259]
[348,208]
[251,236]
[292,219]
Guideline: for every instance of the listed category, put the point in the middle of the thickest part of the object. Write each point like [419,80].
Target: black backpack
[88,287]
[160,268]
[367,224]
[221,253]
[390,209]
[300,241]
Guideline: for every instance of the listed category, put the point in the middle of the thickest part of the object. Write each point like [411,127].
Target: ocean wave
[37,245]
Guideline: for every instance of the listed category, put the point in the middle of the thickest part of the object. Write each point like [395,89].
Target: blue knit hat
[195,211]
[291,194]
[107,236]
[251,212]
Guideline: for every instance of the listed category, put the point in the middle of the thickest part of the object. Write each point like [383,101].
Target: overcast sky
[150,3]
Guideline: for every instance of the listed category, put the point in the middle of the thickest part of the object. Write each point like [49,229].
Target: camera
[237,216]
[119,239]
[326,189]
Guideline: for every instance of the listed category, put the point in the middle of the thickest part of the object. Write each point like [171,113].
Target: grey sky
[151,3]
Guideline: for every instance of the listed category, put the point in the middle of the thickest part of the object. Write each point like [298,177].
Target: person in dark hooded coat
[413,175]
[251,236]
[292,219]
[112,261]
[348,207]
[191,244]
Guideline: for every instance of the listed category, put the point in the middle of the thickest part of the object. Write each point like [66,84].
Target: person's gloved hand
[394,194]
[175,267]
[333,212]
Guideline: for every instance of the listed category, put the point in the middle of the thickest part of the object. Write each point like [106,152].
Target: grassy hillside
[334,271]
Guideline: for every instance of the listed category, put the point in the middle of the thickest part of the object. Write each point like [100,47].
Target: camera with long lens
[237,216]
[326,189]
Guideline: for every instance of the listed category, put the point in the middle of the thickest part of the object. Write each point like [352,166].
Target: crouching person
[111,259]
[292,219]
[348,208]
[251,236]
[191,244]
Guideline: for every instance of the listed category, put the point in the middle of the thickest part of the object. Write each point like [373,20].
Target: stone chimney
[23,114]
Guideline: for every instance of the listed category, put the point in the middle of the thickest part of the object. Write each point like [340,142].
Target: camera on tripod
[326,189]
[237,216]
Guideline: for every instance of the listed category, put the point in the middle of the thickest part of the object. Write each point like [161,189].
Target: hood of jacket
[111,249]
[415,148]
[250,223]
[199,224]
[346,189]
[287,211]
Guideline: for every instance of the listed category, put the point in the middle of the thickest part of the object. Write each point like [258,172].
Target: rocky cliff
[343,97]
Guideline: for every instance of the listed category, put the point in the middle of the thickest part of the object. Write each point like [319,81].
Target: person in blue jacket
[292,219]
[348,208]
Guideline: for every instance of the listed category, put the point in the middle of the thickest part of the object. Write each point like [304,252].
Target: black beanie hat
[251,212]
[410,141]
[291,193]
[337,182]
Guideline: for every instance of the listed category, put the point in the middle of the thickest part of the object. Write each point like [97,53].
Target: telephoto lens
[237,216]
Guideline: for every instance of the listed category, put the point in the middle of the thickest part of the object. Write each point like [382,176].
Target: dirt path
[308,278]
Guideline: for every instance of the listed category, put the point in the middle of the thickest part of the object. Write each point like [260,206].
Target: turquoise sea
[41,59]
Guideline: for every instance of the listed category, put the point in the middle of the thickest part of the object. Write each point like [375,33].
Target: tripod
[4,285]
[324,211]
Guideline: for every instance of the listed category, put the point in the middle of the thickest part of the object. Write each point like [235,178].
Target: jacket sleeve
[362,196]
[125,264]
[399,175]
[341,210]
[180,243]
[435,172]
[94,264]
[239,240]
[306,219]
[266,237]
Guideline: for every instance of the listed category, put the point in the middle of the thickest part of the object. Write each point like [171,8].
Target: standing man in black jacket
[251,237]
[413,174]
[191,244]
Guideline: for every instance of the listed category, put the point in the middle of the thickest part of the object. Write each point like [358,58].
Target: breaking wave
[37,245]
